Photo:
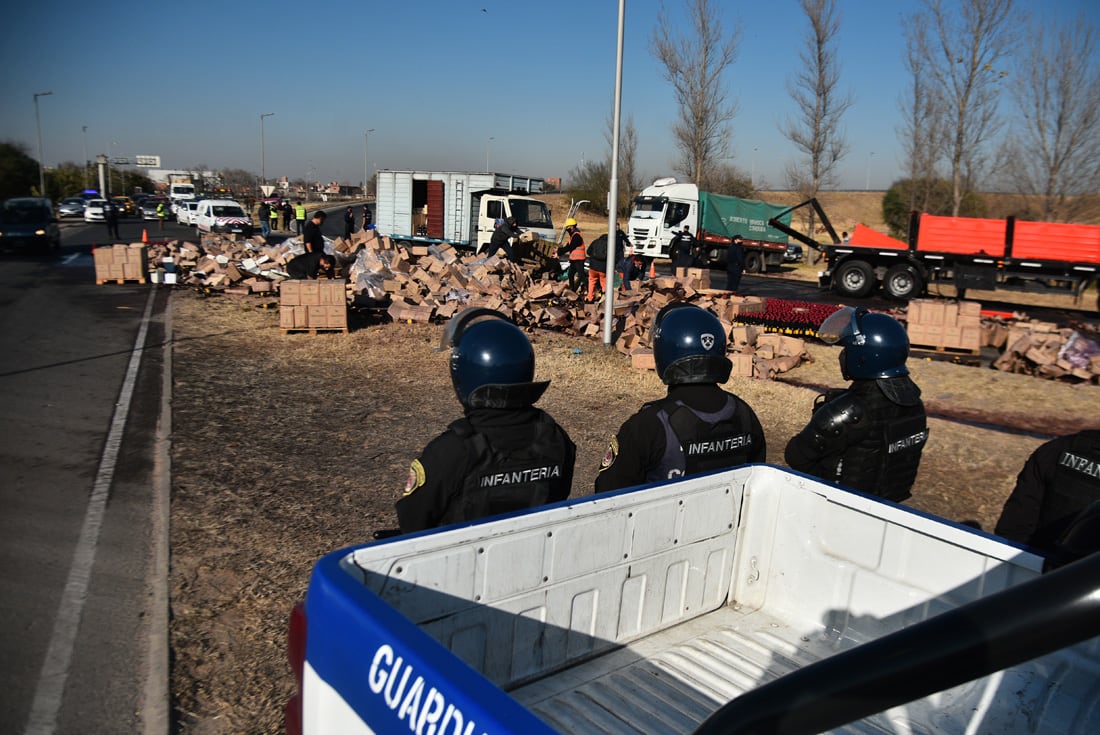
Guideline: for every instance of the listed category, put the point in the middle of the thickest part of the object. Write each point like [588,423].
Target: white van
[222,215]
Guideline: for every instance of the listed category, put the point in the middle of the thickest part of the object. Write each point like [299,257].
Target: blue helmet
[492,361]
[689,346]
[875,345]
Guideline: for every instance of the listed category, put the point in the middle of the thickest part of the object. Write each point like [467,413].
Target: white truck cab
[660,211]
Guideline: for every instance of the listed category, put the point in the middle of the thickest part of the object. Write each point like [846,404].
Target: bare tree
[964,51]
[1054,146]
[922,132]
[694,65]
[628,152]
[815,129]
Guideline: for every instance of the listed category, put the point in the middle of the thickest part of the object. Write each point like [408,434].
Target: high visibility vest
[577,253]
[300,212]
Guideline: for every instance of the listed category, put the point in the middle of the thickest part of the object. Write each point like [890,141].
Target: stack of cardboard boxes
[941,325]
[313,306]
[121,263]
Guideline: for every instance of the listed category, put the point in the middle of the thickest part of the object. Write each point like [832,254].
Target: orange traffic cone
[144,236]
[653,269]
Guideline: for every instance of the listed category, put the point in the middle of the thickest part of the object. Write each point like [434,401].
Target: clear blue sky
[435,79]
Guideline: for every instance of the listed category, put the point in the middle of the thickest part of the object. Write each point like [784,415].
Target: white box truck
[457,207]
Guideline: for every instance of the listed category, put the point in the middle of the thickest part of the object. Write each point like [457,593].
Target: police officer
[504,454]
[682,249]
[697,426]
[869,436]
[1058,482]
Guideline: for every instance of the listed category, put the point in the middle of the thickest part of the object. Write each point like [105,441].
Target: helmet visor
[840,325]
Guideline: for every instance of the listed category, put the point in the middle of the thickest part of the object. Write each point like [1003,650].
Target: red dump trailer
[967,252]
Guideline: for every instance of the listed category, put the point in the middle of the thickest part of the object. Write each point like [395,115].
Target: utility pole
[263,170]
[38,130]
[366,177]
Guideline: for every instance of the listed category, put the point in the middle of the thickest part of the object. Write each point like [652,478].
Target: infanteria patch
[416,476]
[610,454]
[1084,465]
[707,340]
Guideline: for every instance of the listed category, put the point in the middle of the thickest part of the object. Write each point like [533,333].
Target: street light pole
[84,128]
[366,178]
[263,163]
[491,138]
[38,130]
[867,182]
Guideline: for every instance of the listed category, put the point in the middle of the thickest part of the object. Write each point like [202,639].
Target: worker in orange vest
[574,247]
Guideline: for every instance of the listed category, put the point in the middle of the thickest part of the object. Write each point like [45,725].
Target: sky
[525,87]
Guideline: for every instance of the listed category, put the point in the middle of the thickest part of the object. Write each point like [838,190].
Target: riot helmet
[689,346]
[492,362]
[875,345]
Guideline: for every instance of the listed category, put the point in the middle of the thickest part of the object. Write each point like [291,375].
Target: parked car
[126,207]
[149,207]
[185,211]
[29,223]
[222,215]
[793,254]
[94,210]
[71,207]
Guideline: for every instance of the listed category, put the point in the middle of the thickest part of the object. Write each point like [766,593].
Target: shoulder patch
[611,453]
[416,476]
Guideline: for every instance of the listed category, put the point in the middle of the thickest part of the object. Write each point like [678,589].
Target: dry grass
[286,447]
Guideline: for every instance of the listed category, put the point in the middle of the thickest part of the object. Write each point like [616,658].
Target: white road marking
[55,669]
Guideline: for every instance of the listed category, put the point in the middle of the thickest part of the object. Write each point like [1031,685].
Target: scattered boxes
[941,325]
[313,306]
[121,263]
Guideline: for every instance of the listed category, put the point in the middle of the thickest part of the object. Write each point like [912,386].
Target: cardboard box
[742,365]
[642,359]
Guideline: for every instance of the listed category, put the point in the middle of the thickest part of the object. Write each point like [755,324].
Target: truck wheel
[902,283]
[855,279]
[754,263]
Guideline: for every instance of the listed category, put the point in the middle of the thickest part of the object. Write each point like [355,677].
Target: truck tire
[855,279]
[902,283]
[754,262]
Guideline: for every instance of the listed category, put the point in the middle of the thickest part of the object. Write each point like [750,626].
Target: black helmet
[689,346]
[492,361]
[875,345]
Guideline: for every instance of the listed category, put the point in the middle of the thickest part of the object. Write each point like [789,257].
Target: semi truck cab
[660,211]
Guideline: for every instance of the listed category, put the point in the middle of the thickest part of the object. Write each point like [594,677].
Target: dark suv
[29,222]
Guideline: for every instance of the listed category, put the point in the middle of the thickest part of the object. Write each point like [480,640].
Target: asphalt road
[83,609]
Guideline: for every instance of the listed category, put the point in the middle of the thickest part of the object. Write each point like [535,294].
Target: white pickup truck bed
[646,611]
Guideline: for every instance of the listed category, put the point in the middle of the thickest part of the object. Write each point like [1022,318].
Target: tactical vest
[1075,482]
[696,441]
[506,480]
[885,460]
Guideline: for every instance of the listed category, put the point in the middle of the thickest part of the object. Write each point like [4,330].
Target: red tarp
[864,237]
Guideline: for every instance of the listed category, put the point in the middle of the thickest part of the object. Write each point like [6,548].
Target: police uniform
[695,428]
[492,461]
[1058,481]
[868,438]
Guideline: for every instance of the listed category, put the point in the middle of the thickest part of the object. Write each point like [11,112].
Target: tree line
[996,100]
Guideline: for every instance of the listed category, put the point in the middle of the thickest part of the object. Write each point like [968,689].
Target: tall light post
[366,178]
[84,129]
[263,163]
[752,176]
[38,130]
[491,139]
[867,182]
